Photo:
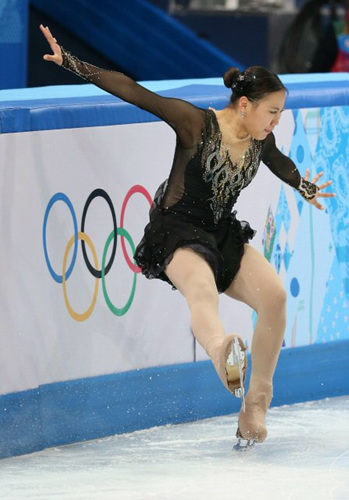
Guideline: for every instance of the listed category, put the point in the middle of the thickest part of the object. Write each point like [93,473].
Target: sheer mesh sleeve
[183,117]
[284,168]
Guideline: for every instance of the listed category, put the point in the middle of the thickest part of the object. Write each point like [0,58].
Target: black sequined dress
[193,207]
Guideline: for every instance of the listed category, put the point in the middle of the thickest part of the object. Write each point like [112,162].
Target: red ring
[135,189]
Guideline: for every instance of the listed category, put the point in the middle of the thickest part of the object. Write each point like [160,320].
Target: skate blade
[244,444]
[236,362]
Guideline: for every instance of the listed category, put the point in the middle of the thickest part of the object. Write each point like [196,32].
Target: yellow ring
[74,314]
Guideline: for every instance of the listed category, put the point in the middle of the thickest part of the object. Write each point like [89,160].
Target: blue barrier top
[73,106]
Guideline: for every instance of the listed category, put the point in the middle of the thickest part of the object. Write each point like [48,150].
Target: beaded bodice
[204,186]
[227,178]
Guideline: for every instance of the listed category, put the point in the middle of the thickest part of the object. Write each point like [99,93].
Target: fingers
[48,57]
[324,186]
[317,178]
[56,57]
[326,195]
[49,31]
[315,201]
[317,204]
[48,35]
[45,31]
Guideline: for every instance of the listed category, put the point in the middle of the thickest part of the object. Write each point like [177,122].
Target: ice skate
[243,444]
[231,365]
[252,428]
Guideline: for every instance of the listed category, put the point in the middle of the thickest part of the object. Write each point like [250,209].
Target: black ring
[98,192]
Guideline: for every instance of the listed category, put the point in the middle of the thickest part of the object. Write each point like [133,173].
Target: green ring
[115,310]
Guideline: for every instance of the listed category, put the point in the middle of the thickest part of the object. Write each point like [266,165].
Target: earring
[243,114]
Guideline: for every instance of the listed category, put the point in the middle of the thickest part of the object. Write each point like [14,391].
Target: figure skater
[194,241]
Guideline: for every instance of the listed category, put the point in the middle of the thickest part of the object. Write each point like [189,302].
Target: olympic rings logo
[99,274]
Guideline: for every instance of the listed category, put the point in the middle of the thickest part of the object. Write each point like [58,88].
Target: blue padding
[78,410]
[88,90]
[88,106]
[20,423]
[13,43]
[314,77]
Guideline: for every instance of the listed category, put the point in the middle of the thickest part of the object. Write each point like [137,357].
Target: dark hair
[255,83]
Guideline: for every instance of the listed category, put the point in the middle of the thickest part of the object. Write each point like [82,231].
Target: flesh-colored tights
[256,284]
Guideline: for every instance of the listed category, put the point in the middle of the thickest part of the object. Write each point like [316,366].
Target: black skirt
[222,246]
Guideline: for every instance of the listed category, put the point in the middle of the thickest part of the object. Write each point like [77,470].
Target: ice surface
[306,457]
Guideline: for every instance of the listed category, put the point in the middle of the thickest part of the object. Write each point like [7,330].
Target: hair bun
[231,76]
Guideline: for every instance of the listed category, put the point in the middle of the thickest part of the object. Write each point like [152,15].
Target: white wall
[40,341]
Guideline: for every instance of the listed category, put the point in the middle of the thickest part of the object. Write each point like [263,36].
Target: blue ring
[66,200]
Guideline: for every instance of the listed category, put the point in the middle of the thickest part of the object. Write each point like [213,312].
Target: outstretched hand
[56,49]
[315,200]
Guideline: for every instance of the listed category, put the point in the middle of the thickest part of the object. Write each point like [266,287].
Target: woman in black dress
[194,241]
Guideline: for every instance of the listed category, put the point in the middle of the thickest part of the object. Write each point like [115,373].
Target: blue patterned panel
[332,157]
[334,320]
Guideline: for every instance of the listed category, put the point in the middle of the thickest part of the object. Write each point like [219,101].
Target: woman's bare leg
[194,278]
[258,285]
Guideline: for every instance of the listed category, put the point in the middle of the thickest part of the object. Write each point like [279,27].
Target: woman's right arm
[284,168]
[182,116]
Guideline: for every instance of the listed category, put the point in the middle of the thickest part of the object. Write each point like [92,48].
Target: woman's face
[263,116]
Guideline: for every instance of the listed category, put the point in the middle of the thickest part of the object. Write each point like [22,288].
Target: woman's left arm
[284,168]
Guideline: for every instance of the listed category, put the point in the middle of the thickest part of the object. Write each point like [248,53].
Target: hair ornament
[242,80]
